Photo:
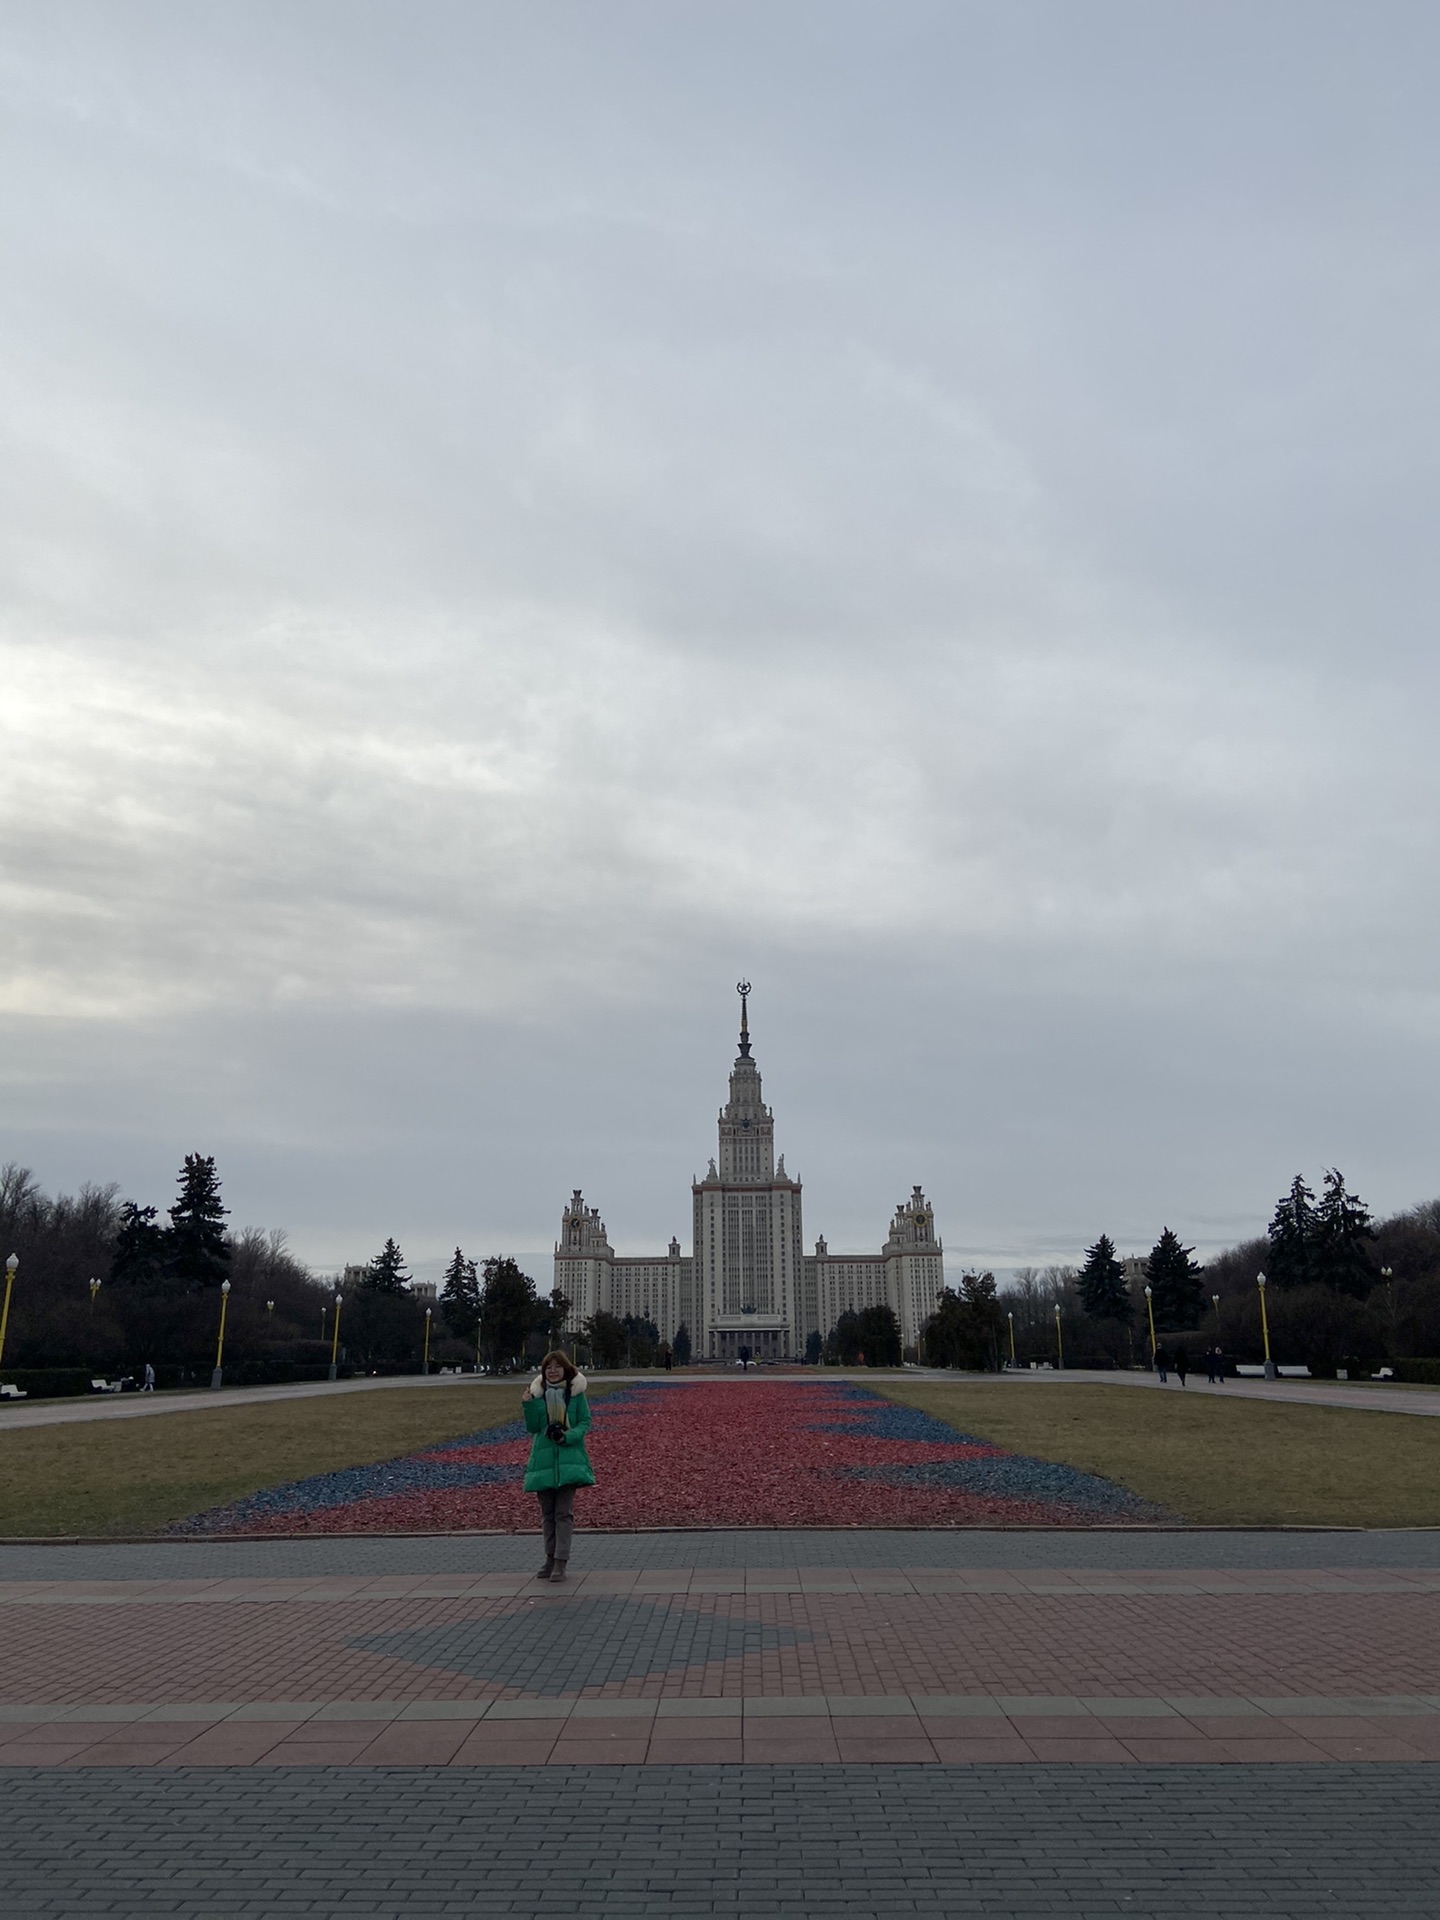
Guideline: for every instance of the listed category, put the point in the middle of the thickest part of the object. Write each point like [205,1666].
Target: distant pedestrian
[149,1386]
[1182,1364]
[1215,1367]
[1162,1364]
[557,1412]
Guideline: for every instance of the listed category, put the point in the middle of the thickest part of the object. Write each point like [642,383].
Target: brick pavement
[749,1725]
[797,1842]
[722,1548]
[664,1666]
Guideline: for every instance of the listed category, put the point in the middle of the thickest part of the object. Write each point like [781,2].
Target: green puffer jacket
[558,1463]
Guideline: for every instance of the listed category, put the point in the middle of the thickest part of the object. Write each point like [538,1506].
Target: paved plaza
[811,1723]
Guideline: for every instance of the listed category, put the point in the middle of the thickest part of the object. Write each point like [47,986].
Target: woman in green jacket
[557,1412]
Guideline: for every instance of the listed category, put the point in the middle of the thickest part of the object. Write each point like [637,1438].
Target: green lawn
[1211,1461]
[137,1475]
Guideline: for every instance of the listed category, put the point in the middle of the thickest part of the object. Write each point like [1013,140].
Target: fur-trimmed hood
[536,1388]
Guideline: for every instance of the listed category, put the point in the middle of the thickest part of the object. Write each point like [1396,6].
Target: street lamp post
[335,1338]
[10,1265]
[1059,1339]
[1215,1303]
[425,1362]
[217,1378]
[1387,1274]
[1150,1315]
[94,1289]
[1271,1371]
[270,1308]
[1011,1318]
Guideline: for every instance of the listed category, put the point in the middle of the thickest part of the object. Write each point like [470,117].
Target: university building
[747,1280]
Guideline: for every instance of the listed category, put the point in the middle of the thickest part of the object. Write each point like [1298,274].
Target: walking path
[1381,1397]
[806,1724]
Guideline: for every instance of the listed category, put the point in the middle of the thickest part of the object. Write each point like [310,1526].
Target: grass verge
[1211,1461]
[140,1474]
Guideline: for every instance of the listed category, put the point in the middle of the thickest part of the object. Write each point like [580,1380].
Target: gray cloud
[512,518]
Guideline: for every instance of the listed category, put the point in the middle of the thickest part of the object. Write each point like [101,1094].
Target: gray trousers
[557,1510]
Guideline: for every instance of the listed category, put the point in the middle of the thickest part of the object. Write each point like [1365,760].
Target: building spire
[742,987]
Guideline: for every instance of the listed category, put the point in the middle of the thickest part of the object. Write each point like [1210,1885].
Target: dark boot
[559,1574]
[546,1572]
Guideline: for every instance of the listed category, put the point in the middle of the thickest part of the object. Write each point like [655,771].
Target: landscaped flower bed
[807,1453]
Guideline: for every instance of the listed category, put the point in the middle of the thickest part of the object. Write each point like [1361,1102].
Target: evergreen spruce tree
[845,1343]
[1292,1235]
[507,1312]
[1103,1292]
[460,1297]
[680,1346]
[880,1336]
[606,1338]
[139,1259]
[1175,1283]
[387,1272]
[1341,1256]
[642,1340]
[552,1316]
[198,1254]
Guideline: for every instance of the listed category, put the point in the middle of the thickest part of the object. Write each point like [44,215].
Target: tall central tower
[747,1126]
[748,1238]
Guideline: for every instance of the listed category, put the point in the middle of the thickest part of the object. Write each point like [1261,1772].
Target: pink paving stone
[417,1743]
[1371,1748]
[1165,1752]
[321,1733]
[878,1726]
[691,1753]
[684,1727]
[967,1726]
[1133,1727]
[891,1751]
[1257,1750]
[1089,1751]
[598,1753]
[125,1753]
[42,1753]
[236,1743]
[980,1752]
[792,1747]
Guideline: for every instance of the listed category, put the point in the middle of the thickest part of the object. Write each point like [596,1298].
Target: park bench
[112,1386]
[7,1392]
[1285,1373]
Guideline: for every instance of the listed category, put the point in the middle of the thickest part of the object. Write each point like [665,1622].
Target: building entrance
[760,1343]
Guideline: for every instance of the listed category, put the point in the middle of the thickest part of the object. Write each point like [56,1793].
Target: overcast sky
[513,516]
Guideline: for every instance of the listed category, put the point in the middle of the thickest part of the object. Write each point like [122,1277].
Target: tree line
[106,1284]
[1342,1290]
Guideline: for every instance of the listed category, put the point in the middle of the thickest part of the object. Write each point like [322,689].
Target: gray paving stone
[807,1843]
[1093,1549]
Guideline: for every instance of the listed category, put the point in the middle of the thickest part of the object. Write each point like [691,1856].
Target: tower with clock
[748,1288]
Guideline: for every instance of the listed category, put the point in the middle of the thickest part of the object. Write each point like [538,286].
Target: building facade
[747,1282]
